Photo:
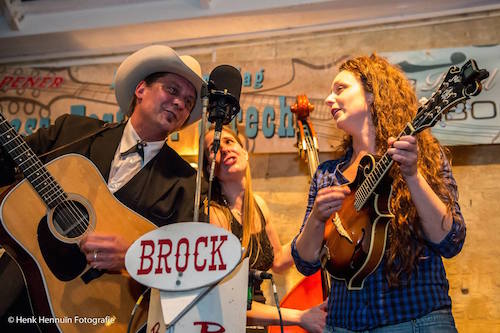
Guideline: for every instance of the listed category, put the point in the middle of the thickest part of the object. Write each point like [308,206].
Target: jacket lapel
[102,150]
[151,183]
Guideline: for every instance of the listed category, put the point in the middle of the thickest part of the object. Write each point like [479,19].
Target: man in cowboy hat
[160,92]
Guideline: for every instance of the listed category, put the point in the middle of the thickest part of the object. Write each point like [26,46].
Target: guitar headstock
[458,85]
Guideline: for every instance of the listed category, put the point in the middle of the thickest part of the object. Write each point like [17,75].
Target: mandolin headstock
[458,85]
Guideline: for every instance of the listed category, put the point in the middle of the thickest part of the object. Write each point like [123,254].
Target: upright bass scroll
[307,142]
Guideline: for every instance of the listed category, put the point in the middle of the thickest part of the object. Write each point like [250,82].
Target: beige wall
[281,179]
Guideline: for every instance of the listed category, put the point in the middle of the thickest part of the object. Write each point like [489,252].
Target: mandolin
[355,237]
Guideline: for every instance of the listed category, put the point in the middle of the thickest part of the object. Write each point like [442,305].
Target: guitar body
[60,283]
[355,240]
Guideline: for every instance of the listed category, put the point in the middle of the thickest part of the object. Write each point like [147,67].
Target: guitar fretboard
[31,166]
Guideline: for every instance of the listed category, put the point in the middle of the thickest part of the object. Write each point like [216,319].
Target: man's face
[165,105]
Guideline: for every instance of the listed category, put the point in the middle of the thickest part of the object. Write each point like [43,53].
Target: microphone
[254,275]
[224,89]
[257,275]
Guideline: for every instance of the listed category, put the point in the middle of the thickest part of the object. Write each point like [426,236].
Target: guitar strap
[101,129]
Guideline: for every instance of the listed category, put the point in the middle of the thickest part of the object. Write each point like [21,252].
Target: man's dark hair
[149,80]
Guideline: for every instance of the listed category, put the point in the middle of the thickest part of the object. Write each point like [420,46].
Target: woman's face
[232,158]
[349,103]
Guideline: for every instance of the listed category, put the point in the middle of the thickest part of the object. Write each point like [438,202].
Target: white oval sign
[183,256]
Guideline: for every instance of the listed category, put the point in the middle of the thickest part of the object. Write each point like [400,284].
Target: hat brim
[155,59]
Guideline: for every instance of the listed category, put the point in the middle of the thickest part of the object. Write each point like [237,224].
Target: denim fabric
[439,321]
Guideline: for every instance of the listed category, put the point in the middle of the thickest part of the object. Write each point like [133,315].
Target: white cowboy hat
[154,59]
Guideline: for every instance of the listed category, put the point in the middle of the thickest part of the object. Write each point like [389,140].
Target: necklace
[233,210]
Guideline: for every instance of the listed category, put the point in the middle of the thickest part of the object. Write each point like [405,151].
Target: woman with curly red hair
[372,101]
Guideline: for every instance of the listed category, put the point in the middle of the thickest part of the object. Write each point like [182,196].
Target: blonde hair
[249,217]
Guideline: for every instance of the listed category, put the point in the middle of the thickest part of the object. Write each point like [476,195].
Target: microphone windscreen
[226,77]
[258,275]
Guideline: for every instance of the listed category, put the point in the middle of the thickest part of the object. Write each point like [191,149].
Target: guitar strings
[44,177]
[73,210]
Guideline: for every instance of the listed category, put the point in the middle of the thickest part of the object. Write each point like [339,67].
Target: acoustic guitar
[43,219]
[355,237]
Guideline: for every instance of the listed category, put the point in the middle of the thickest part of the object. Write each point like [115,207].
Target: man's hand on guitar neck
[105,251]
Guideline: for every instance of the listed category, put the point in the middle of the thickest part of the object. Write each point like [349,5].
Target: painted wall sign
[34,97]
[478,122]
[183,256]
[269,88]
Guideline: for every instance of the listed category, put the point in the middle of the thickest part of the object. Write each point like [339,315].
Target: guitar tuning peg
[468,106]
[459,108]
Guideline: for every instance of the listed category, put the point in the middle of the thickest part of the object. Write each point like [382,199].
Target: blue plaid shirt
[376,304]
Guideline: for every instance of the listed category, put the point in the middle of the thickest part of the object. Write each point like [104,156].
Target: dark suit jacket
[163,191]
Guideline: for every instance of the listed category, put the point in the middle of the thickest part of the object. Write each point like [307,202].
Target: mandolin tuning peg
[423,100]
[459,108]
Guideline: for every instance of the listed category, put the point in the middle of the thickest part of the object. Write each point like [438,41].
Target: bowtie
[138,148]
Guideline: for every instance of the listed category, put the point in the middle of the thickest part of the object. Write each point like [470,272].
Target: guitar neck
[381,168]
[31,166]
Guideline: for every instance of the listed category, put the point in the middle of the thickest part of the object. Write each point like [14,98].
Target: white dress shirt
[123,168]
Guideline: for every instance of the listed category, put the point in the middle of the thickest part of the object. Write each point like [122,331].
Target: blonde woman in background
[235,207]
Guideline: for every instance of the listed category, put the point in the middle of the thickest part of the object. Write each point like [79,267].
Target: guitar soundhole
[71,219]
[65,260]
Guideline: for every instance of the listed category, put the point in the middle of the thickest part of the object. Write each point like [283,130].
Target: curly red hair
[394,105]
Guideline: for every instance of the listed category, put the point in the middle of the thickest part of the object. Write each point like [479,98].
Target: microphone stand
[201,152]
